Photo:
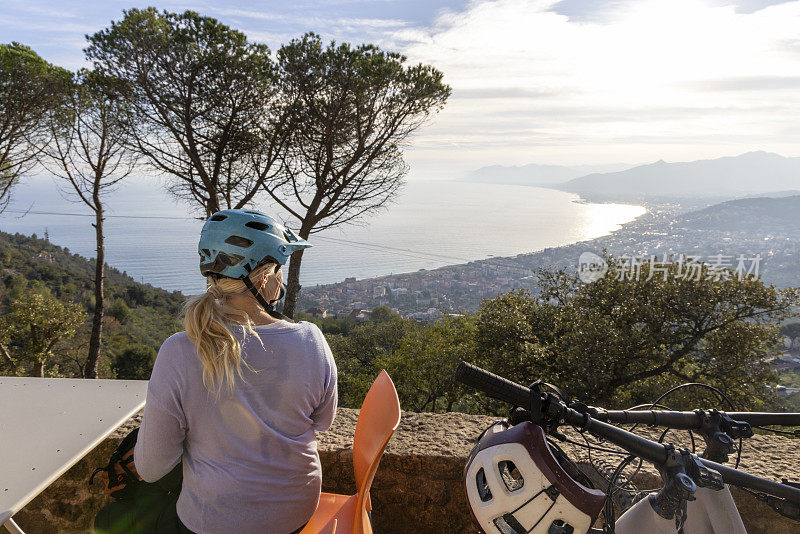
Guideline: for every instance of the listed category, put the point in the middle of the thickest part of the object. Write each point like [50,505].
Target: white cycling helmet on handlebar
[515,485]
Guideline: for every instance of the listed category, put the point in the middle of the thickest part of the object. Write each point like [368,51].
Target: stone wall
[418,488]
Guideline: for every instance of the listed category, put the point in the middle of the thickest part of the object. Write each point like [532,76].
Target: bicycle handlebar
[690,420]
[657,453]
[493,385]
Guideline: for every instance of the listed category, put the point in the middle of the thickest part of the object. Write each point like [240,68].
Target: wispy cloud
[249,14]
[504,93]
[42,24]
[37,8]
[634,83]
[750,83]
[274,27]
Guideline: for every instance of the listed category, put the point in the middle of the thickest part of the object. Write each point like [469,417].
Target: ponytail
[208,323]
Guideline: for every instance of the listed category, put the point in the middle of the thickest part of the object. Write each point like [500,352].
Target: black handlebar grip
[493,385]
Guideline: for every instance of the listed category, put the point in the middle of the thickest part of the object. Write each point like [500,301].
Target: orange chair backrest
[377,421]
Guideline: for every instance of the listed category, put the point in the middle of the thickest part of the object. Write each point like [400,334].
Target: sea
[153,237]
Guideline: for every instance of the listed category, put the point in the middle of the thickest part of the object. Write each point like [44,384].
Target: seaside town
[767,249]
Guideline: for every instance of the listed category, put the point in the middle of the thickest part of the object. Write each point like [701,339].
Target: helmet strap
[267,306]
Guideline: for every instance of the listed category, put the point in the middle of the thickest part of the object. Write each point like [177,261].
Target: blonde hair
[209,323]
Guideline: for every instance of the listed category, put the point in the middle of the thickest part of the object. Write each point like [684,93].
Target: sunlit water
[430,225]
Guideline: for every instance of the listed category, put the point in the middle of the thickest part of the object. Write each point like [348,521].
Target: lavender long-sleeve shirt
[250,460]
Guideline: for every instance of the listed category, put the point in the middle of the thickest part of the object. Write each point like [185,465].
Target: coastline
[491,257]
[647,207]
[427,294]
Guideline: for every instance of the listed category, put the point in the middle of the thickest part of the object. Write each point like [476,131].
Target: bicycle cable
[794,433]
[608,510]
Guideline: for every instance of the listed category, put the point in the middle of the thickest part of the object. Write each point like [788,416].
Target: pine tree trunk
[293,284]
[90,369]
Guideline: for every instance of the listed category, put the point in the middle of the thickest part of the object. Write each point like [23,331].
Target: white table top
[48,424]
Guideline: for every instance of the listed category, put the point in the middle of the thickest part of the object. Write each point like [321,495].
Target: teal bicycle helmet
[233,243]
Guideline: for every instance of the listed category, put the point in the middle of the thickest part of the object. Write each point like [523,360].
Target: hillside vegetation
[140,316]
[772,215]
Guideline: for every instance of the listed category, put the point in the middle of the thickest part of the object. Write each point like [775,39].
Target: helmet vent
[255,225]
[253,213]
[483,487]
[239,241]
[218,217]
[220,263]
[511,476]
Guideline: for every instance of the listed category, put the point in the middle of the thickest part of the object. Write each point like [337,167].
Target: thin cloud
[647,70]
[505,93]
[315,5]
[751,6]
[35,8]
[750,83]
[249,14]
[587,10]
[42,24]
[304,19]
[275,28]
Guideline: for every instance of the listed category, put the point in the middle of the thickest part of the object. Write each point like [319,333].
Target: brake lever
[719,431]
[782,506]
[536,405]
[545,410]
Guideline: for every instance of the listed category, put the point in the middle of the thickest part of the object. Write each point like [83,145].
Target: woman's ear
[264,281]
[275,279]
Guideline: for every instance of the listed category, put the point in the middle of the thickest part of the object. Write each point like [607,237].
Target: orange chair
[377,421]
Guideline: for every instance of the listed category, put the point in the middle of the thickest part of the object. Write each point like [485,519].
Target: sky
[534,81]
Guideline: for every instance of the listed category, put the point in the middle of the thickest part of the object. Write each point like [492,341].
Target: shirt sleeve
[159,445]
[325,412]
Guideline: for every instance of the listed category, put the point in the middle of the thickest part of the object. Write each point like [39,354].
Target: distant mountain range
[750,174]
[747,174]
[535,174]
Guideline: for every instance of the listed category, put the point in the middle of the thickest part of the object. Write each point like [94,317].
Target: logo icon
[591,267]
